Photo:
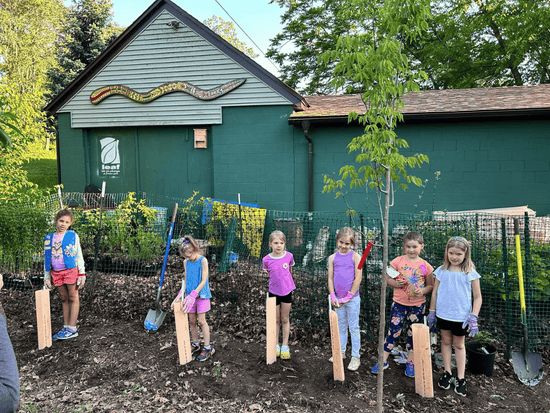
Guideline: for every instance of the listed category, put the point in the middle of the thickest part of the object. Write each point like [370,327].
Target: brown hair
[188,242]
[346,232]
[64,213]
[464,245]
[413,236]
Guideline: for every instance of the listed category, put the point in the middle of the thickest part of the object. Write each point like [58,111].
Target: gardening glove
[431,320]
[334,300]
[344,300]
[178,297]
[48,283]
[471,322]
[189,301]
[80,281]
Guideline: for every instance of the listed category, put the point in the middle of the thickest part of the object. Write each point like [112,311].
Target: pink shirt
[280,279]
[414,272]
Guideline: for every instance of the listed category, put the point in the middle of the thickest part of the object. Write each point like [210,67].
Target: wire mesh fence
[127,234]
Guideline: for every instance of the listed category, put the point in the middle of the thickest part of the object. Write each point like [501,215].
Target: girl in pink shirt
[281,285]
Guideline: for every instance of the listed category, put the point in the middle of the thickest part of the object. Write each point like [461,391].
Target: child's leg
[354,307]
[194,327]
[415,315]
[204,327]
[460,355]
[343,325]
[278,322]
[71,303]
[285,321]
[446,350]
[398,315]
[74,304]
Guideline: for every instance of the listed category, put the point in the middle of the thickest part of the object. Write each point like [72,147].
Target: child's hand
[48,283]
[177,300]
[189,301]
[346,299]
[400,281]
[80,281]
[334,300]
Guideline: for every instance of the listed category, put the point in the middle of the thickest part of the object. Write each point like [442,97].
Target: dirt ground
[115,366]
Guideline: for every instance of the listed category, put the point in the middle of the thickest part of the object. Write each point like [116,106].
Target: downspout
[305,125]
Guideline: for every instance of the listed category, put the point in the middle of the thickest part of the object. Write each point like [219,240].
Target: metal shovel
[155,317]
[528,366]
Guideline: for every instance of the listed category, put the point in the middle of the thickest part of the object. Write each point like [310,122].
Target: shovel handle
[168,245]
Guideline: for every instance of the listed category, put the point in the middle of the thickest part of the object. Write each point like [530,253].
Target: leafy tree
[226,30]
[376,60]
[28,30]
[87,31]
[311,28]
[469,43]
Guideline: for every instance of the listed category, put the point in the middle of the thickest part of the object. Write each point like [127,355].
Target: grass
[41,166]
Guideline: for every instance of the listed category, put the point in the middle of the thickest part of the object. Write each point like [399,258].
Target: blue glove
[471,323]
[432,320]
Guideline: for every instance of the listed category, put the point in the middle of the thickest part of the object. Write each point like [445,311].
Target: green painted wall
[72,155]
[255,155]
[482,164]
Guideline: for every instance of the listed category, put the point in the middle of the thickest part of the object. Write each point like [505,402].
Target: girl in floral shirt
[411,278]
[64,264]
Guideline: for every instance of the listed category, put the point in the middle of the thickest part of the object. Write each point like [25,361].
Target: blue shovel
[156,317]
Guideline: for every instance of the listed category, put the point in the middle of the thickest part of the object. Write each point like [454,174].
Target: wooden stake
[337,362]
[43,318]
[422,360]
[182,332]
[271,329]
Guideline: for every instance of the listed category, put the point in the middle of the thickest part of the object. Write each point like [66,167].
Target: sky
[259,19]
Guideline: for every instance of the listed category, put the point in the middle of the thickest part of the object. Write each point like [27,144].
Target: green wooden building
[171,108]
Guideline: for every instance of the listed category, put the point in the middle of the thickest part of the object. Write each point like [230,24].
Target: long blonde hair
[277,234]
[464,245]
[346,232]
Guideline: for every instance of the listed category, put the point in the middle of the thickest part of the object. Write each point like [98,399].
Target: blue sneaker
[374,370]
[409,369]
[64,334]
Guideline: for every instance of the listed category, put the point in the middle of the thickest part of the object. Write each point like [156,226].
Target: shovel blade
[528,367]
[153,320]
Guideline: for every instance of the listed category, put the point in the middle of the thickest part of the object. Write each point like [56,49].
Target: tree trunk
[383,285]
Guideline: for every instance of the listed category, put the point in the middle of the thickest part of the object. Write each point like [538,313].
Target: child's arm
[358,275]
[80,262]
[330,268]
[476,291]
[433,301]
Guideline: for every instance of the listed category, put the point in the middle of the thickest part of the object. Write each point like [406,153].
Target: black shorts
[282,298]
[454,326]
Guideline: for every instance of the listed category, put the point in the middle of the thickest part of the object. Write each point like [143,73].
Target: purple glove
[333,297]
[431,320]
[344,300]
[189,301]
[471,322]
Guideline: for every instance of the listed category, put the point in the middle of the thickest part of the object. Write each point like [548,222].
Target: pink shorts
[202,305]
[65,276]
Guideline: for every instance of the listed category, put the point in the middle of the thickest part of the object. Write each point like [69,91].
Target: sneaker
[460,387]
[374,370]
[65,333]
[206,353]
[354,363]
[285,353]
[446,380]
[343,357]
[195,348]
[409,369]
[278,351]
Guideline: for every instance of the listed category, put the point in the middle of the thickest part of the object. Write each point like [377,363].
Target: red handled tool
[365,255]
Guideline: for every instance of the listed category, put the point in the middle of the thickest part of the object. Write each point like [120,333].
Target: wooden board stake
[422,360]
[337,362]
[271,329]
[43,318]
[182,333]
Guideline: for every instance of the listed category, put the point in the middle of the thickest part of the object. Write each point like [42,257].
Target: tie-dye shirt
[414,272]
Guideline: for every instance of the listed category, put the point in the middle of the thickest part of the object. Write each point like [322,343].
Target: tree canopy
[226,30]
[468,43]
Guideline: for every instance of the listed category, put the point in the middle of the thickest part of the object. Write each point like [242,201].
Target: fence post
[508,316]
[528,266]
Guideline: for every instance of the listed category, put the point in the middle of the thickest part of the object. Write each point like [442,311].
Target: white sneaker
[343,357]
[354,364]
